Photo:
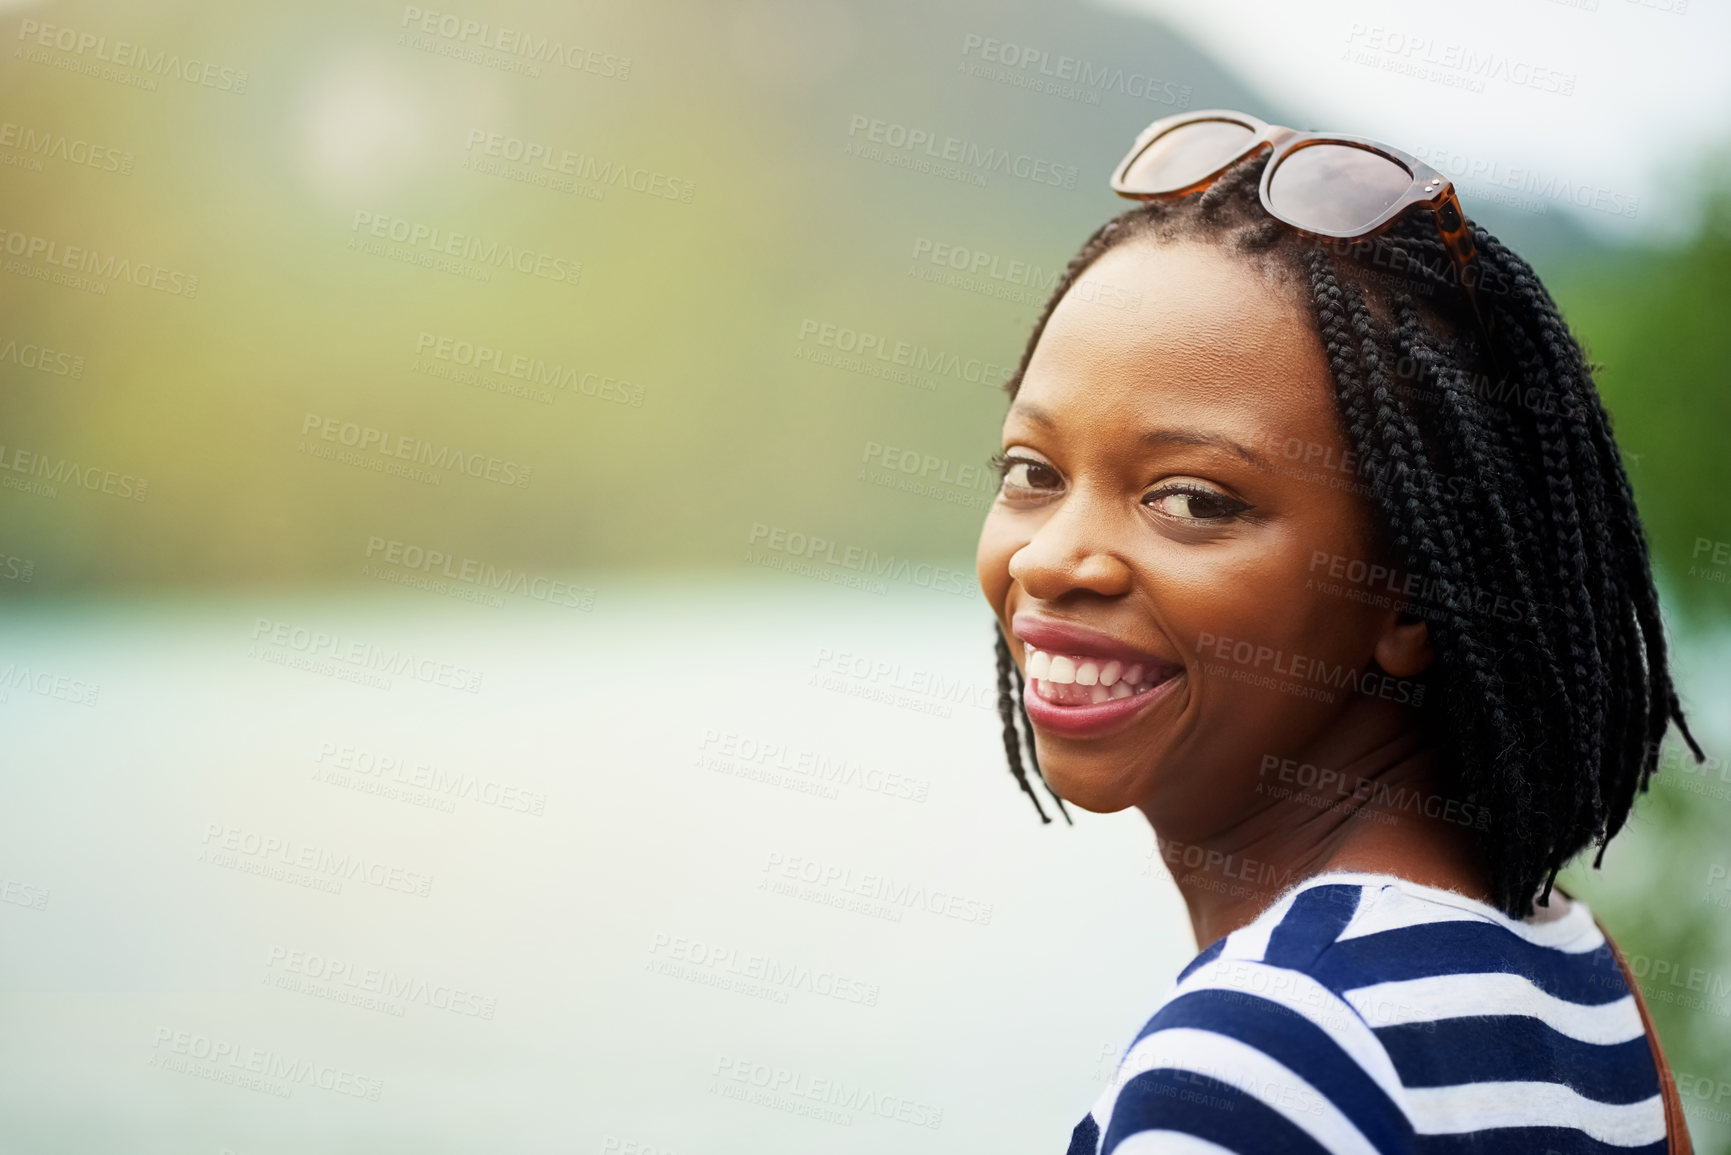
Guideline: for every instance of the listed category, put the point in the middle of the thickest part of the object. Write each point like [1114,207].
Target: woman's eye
[1193,503]
[1025,473]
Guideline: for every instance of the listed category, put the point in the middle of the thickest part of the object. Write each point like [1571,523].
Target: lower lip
[1093,720]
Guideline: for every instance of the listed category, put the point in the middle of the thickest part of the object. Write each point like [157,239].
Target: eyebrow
[1160,438]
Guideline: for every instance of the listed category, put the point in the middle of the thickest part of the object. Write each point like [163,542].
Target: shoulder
[1359,1009]
[1250,1052]
[1496,1023]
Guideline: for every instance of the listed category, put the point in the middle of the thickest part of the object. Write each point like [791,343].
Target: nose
[1075,548]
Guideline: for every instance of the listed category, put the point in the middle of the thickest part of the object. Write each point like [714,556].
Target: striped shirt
[1362,1013]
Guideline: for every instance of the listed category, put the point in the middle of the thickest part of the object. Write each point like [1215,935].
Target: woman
[1323,558]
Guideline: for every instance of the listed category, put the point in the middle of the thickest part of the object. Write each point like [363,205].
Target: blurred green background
[695,396]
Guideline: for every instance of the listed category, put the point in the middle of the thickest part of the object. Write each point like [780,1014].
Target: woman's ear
[1403,648]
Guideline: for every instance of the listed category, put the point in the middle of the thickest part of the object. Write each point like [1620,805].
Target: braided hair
[1494,482]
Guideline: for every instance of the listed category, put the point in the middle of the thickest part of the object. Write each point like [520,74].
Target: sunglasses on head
[1341,188]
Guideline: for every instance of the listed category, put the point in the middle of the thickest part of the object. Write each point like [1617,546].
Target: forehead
[1162,333]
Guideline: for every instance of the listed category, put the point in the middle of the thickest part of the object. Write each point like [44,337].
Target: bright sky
[1650,80]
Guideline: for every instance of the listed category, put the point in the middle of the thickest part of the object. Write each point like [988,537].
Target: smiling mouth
[1080,680]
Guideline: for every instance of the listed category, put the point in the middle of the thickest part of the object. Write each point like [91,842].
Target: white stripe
[1303,995]
[1167,1143]
[1394,903]
[1469,1107]
[1248,1069]
[1388,907]
[1465,996]
[1574,933]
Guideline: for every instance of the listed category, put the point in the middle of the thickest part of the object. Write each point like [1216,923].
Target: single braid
[1010,707]
[1007,712]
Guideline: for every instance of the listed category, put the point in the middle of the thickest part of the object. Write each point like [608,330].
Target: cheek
[1267,596]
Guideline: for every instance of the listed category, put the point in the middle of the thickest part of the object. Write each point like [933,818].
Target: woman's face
[1176,516]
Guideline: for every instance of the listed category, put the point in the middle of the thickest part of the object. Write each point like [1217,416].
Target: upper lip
[1056,636]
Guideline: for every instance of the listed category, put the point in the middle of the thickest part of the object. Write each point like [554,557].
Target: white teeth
[1095,681]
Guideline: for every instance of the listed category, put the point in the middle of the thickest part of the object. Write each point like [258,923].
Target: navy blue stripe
[1518,1048]
[1453,948]
[1526,1141]
[1302,1047]
[1085,1139]
[1203,959]
[1315,920]
[1191,1104]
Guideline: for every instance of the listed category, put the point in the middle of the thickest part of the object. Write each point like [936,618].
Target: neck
[1379,812]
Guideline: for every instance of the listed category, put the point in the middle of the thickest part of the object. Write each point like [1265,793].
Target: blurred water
[548,981]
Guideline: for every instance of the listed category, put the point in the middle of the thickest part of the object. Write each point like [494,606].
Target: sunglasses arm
[1458,239]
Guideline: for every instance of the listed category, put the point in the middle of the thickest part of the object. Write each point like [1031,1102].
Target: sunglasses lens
[1335,188]
[1186,154]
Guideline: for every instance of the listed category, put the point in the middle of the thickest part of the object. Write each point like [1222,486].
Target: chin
[1090,792]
